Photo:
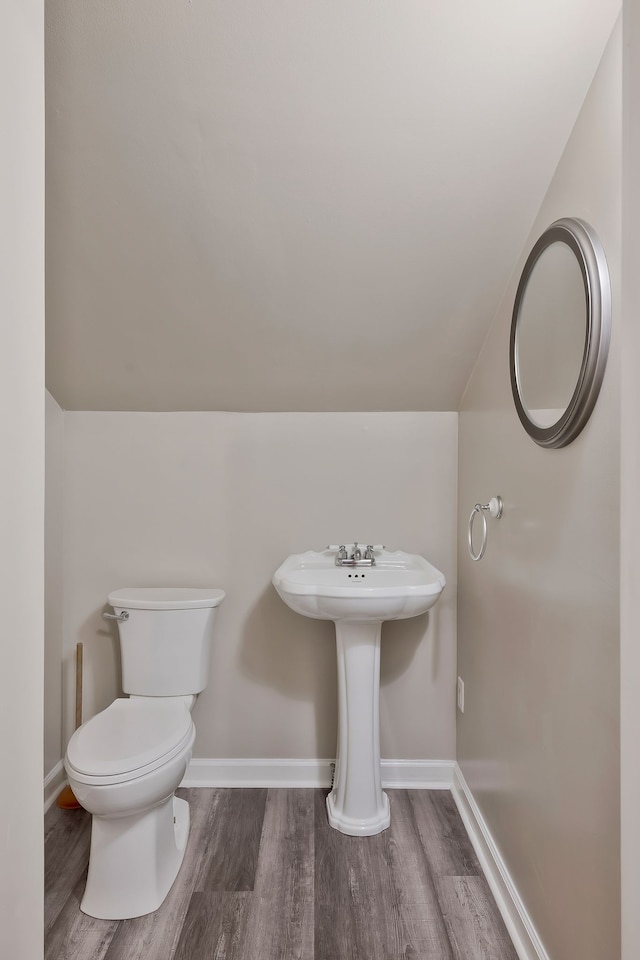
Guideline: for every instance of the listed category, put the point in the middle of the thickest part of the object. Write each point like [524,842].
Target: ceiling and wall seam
[530,237]
[275,214]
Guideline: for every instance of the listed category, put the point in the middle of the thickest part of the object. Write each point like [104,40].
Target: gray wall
[630,484]
[538,629]
[22,476]
[258,206]
[221,499]
[53,583]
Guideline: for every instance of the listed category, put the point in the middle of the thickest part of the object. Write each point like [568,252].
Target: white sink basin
[358,598]
[399,585]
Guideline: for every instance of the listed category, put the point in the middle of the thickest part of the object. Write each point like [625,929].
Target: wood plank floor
[266,878]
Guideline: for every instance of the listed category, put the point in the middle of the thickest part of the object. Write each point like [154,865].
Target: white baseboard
[526,941]
[408,774]
[54,781]
[417,774]
[257,773]
[398,774]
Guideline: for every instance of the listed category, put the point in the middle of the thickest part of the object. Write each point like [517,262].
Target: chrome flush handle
[116,616]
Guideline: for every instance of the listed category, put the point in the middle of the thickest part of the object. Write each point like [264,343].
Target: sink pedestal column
[357,805]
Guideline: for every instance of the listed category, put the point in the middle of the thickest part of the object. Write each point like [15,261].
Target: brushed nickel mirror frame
[585,245]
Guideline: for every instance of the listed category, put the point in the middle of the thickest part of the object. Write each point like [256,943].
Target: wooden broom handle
[78,685]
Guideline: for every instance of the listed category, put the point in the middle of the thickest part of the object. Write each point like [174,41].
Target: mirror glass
[560,332]
[551,334]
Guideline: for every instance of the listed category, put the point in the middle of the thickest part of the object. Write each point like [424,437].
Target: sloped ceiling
[295,205]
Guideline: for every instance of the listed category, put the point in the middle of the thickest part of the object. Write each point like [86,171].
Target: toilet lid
[165,598]
[128,735]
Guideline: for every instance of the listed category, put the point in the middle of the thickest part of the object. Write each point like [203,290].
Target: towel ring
[494,507]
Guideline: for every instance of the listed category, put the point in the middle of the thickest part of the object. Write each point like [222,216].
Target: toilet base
[135,860]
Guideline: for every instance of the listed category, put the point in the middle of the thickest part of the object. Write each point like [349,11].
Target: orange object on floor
[67,800]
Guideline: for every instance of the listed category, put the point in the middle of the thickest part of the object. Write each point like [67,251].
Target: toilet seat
[129,739]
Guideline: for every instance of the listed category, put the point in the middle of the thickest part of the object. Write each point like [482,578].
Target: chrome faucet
[357,559]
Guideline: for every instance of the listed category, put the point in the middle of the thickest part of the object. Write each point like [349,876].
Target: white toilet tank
[165,641]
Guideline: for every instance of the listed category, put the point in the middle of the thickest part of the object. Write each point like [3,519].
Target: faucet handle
[368,554]
[341,550]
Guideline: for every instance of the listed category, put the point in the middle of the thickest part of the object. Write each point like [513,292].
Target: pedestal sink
[358,595]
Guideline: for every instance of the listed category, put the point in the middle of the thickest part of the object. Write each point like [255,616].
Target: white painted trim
[407,774]
[398,774]
[54,781]
[204,772]
[526,941]
[417,774]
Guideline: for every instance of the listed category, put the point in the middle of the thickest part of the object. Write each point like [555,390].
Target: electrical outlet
[460,691]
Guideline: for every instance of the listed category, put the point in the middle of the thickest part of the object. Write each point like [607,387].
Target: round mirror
[560,332]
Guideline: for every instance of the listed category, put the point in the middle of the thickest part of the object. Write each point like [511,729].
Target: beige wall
[222,499]
[278,196]
[53,582]
[21,476]
[538,617]
[630,529]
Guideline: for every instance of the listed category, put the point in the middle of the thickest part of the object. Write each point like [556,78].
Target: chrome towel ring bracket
[494,507]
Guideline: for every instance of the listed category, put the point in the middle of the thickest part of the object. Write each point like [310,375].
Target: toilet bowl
[124,766]
[125,763]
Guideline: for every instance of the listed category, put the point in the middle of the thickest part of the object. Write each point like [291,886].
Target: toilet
[125,764]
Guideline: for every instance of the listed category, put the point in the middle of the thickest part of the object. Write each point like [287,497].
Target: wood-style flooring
[266,878]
